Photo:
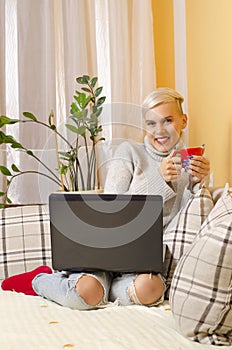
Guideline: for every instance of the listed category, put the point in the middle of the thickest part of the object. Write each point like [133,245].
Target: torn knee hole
[146,290]
[89,289]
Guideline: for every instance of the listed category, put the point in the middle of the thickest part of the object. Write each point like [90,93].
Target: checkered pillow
[221,210]
[183,228]
[24,239]
[201,288]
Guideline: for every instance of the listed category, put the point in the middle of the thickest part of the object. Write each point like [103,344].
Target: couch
[31,322]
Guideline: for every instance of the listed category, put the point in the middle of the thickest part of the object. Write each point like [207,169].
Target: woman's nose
[159,127]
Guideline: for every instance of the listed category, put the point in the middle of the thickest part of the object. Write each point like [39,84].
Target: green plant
[84,123]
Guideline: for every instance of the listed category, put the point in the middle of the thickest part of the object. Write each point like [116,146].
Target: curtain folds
[45,45]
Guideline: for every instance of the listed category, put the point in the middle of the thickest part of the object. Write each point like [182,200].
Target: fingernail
[190,157]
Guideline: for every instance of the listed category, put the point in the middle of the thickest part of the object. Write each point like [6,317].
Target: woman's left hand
[198,167]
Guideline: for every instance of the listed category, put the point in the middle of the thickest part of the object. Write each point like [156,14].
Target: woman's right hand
[170,168]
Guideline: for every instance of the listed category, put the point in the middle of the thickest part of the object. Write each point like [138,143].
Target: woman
[147,168]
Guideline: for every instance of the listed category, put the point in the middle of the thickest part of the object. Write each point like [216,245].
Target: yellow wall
[209,75]
[209,70]
[164,42]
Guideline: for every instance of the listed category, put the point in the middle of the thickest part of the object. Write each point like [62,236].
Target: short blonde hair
[162,95]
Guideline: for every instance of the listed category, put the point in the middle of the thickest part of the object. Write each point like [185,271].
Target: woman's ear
[184,120]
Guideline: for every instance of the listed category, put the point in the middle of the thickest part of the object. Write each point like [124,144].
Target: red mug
[184,153]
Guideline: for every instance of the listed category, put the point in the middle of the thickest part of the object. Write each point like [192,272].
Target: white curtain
[45,45]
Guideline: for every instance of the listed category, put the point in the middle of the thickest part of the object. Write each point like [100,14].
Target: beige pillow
[201,289]
[183,228]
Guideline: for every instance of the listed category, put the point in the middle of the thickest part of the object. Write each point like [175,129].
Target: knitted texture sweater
[134,169]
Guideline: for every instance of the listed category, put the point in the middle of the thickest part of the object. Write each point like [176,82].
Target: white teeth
[161,138]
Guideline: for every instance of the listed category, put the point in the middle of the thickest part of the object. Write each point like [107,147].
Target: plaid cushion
[201,288]
[220,212]
[25,239]
[183,228]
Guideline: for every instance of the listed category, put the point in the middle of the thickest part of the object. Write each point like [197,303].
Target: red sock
[30,292]
[22,283]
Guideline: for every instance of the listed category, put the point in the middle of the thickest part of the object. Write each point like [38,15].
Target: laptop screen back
[122,233]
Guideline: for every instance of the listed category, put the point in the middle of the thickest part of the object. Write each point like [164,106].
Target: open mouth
[162,140]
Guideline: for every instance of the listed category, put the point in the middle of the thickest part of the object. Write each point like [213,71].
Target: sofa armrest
[24,239]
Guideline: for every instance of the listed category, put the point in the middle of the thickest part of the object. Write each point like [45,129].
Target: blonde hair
[162,95]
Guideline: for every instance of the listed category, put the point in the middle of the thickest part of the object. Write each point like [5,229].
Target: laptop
[106,232]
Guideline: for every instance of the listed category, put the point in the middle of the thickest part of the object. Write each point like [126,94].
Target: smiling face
[164,124]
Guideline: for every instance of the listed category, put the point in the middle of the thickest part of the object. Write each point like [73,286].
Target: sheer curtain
[45,45]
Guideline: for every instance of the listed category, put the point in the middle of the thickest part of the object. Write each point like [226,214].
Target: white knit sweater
[134,169]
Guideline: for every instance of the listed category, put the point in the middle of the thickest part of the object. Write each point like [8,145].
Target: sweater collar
[156,154]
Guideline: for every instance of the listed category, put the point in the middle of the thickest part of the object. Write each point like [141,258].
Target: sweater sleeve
[120,172]
[133,170]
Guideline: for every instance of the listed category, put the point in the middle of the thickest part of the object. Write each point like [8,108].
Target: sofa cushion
[221,211]
[201,288]
[183,228]
[24,239]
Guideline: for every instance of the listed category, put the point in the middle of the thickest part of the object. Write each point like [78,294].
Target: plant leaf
[63,169]
[97,111]
[5,171]
[82,130]
[89,98]
[29,116]
[101,101]
[93,81]
[72,128]
[30,153]
[74,108]
[6,120]
[82,100]
[86,89]
[2,194]
[80,80]
[98,91]
[9,139]
[17,145]
[9,200]
[83,80]
[86,79]
[82,115]
[2,137]
[15,168]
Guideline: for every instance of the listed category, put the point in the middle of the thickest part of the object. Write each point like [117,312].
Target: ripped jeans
[60,288]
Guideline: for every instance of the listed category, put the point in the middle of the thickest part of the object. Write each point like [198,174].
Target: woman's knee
[147,289]
[90,290]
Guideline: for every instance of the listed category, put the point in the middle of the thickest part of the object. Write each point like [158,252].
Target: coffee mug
[184,153]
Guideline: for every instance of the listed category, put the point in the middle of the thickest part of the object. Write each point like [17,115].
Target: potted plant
[83,123]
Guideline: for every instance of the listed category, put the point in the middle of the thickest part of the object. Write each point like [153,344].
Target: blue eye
[150,123]
[167,121]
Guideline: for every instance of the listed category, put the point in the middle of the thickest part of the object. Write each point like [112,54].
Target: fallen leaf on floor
[68,346]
